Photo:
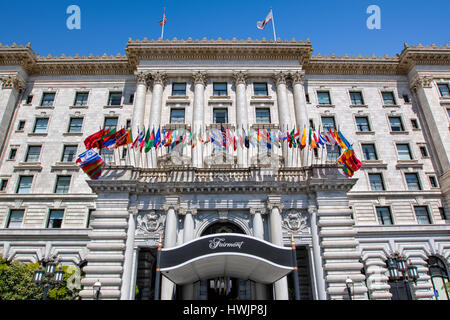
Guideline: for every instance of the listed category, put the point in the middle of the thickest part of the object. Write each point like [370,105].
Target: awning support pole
[158,271]
[295,271]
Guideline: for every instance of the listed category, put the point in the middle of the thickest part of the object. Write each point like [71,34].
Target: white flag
[262,24]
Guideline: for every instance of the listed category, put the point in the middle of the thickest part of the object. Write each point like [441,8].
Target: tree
[16,283]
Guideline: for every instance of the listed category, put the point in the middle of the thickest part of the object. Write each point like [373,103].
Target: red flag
[163,21]
[90,142]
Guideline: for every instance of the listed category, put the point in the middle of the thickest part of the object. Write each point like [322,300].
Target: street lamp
[97,286]
[350,286]
[402,269]
[48,278]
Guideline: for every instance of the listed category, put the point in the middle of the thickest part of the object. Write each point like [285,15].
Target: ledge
[358,106]
[261,101]
[60,234]
[61,166]
[28,166]
[398,132]
[393,193]
[45,108]
[414,229]
[48,196]
[72,134]
[265,126]
[365,132]
[78,107]
[325,106]
[174,126]
[262,97]
[217,100]
[219,125]
[178,97]
[373,164]
[113,107]
[391,106]
[37,134]
[220,97]
[409,164]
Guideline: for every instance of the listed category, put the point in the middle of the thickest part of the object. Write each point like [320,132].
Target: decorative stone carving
[174,159]
[254,210]
[199,78]
[149,223]
[11,82]
[295,221]
[422,82]
[280,78]
[142,77]
[297,77]
[240,77]
[159,78]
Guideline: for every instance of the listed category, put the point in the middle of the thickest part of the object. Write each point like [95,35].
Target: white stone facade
[333,217]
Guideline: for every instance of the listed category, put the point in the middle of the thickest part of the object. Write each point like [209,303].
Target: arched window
[439,278]
[222,227]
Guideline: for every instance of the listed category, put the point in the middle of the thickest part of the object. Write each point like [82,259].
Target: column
[197,117]
[317,255]
[11,91]
[137,121]
[275,206]
[283,113]
[159,79]
[188,235]
[129,254]
[240,82]
[258,232]
[170,240]
[301,114]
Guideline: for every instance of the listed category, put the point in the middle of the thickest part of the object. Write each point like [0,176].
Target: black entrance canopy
[226,255]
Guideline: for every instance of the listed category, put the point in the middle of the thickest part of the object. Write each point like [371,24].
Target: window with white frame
[404,152]
[24,184]
[422,215]
[412,181]
[15,219]
[384,215]
[444,90]
[40,126]
[388,98]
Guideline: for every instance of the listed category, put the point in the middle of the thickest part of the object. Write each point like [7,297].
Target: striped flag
[262,24]
[91,163]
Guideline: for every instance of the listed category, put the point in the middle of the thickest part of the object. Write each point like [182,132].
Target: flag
[269,140]
[322,139]
[163,21]
[124,140]
[339,140]
[91,163]
[157,139]
[262,24]
[110,141]
[168,138]
[151,141]
[312,142]
[100,142]
[246,140]
[303,140]
[138,138]
[224,136]
[345,141]
[91,141]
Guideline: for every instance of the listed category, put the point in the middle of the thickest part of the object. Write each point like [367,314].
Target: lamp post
[402,269]
[49,277]
[350,287]
[97,287]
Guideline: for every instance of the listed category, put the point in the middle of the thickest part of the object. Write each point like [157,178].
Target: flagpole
[162,30]
[273,26]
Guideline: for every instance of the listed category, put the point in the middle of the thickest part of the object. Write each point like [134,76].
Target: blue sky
[337,27]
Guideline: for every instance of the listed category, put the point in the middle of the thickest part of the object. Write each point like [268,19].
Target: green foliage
[16,283]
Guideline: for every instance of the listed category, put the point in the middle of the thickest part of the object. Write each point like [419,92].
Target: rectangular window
[131,100]
[47,99]
[24,185]
[220,89]
[444,90]
[29,99]
[332,153]
[179,89]
[406,98]
[69,154]
[90,218]
[128,124]
[260,89]
[33,154]
[442,213]
[311,124]
[307,98]
[376,181]
[369,152]
[107,155]
[262,115]
[40,125]
[12,154]
[388,98]
[4,184]
[124,153]
[55,219]
[433,182]
[177,116]
[21,125]
[422,215]
[75,125]
[81,98]
[415,124]
[412,180]
[62,184]
[115,99]
[356,98]
[110,123]
[362,124]
[15,219]
[396,124]
[328,123]
[384,215]
[220,115]
[323,97]
[423,151]
[404,153]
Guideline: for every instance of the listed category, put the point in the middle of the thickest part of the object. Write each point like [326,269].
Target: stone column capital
[280,78]
[240,77]
[185,211]
[133,211]
[421,82]
[142,77]
[159,78]
[312,209]
[274,202]
[13,82]
[297,77]
[254,211]
[171,202]
[199,77]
